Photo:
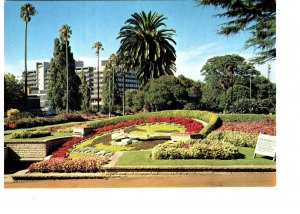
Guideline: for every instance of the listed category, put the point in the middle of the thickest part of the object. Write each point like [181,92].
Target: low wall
[32,151]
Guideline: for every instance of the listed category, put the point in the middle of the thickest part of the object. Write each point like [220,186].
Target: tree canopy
[256,16]
[149,43]
[58,77]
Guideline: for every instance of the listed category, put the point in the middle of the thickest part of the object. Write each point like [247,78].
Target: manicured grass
[144,158]
[165,127]
[7,138]
[113,148]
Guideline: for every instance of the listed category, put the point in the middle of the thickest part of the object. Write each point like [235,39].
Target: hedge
[195,149]
[245,117]
[11,123]
[212,119]
[69,165]
[30,134]
[236,138]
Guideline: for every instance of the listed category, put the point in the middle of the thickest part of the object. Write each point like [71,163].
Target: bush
[69,165]
[40,121]
[195,149]
[12,112]
[212,119]
[246,117]
[235,137]
[30,134]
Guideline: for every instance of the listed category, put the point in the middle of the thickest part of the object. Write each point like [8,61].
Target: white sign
[266,145]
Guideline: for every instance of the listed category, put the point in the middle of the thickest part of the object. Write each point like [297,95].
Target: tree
[84,92]
[57,92]
[124,62]
[13,93]
[98,46]
[65,34]
[256,16]
[135,100]
[170,92]
[149,43]
[26,12]
[222,72]
[111,66]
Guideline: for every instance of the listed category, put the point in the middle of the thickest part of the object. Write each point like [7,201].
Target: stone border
[126,171]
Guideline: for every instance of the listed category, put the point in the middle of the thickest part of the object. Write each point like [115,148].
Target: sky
[91,21]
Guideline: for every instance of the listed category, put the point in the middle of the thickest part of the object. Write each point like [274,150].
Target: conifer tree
[57,81]
[84,92]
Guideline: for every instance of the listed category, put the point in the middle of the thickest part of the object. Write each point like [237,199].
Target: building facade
[38,81]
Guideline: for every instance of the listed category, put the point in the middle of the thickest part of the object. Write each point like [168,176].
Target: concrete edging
[125,171]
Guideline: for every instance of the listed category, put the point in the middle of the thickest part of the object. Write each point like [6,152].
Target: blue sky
[94,21]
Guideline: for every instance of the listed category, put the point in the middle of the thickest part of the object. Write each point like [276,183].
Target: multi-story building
[39,78]
[92,78]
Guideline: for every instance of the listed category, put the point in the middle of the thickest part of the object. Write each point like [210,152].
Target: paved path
[236,179]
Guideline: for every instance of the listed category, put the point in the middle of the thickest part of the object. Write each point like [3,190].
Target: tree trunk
[123,93]
[113,90]
[98,105]
[26,93]
[67,68]
[225,104]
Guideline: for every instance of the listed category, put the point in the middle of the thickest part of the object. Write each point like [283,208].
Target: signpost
[266,145]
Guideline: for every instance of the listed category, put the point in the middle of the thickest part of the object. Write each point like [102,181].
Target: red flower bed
[264,127]
[191,126]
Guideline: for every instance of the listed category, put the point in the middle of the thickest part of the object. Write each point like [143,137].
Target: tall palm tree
[98,46]
[65,33]
[149,43]
[26,12]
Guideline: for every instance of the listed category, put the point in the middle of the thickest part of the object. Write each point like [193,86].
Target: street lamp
[109,103]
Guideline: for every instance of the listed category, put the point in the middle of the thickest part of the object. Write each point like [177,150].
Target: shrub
[12,112]
[235,137]
[41,121]
[30,134]
[246,117]
[195,149]
[68,165]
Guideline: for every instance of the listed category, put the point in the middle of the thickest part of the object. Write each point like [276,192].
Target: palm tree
[148,41]
[125,63]
[65,33]
[26,12]
[98,46]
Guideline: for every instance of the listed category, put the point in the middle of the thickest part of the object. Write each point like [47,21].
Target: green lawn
[144,158]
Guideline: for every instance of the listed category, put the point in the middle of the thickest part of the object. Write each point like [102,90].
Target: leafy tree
[98,46]
[26,12]
[13,93]
[256,16]
[157,95]
[170,92]
[134,100]
[149,43]
[221,73]
[57,92]
[84,92]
